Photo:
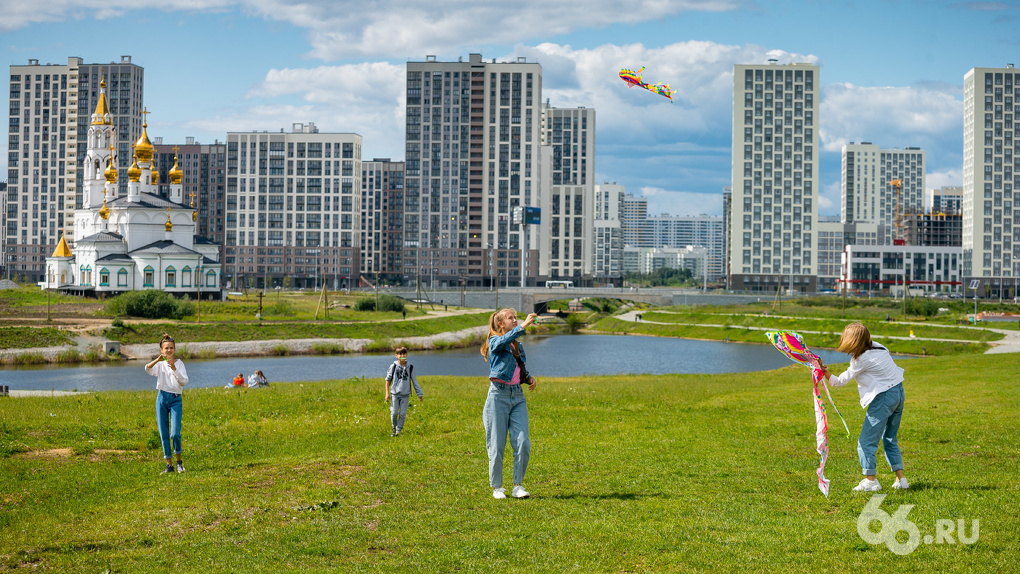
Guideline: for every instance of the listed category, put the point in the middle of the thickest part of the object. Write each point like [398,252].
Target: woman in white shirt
[171,376]
[880,384]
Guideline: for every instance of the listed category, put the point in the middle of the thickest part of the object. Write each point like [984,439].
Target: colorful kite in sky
[633,78]
[792,345]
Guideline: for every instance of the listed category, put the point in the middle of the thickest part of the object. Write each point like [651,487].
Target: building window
[147,280]
[122,276]
[186,276]
[210,278]
[171,276]
[104,277]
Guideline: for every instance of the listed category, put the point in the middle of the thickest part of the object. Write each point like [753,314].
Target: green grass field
[684,473]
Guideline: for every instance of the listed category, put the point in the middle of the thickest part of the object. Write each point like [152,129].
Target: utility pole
[198,300]
[261,294]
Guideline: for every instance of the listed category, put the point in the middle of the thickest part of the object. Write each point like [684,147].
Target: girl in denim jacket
[506,412]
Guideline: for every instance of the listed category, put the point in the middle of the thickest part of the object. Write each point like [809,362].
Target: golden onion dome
[155,176]
[111,172]
[104,212]
[194,215]
[169,226]
[144,148]
[176,173]
[135,172]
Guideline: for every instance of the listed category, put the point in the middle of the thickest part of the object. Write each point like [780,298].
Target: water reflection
[553,356]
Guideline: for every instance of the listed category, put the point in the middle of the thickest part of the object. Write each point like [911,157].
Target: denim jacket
[501,360]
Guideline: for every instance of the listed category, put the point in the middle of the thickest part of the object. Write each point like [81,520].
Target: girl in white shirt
[171,376]
[880,384]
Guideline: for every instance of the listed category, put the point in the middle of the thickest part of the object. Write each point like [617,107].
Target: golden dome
[176,173]
[169,226]
[104,212]
[155,176]
[143,147]
[135,172]
[111,172]
[194,215]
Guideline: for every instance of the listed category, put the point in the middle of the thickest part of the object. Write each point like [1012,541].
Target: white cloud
[682,203]
[940,179]
[919,116]
[391,28]
[361,98]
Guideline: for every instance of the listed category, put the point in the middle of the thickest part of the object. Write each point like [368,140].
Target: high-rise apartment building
[382,221]
[49,114]
[948,199]
[634,221]
[991,179]
[293,208]
[608,262]
[774,176]
[866,190]
[472,154]
[567,234]
[203,183]
[691,231]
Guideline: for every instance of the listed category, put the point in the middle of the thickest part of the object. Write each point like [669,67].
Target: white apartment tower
[293,208]
[567,235]
[473,138]
[681,232]
[49,116]
[608,262]
[991,180]
[775,176]
[866,191]
[634,221]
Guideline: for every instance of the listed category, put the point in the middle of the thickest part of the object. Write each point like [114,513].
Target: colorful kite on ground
[792,345]
[633,78]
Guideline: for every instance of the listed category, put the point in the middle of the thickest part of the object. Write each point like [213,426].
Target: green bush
[574,322]
[922,306]
[150,304]
[386,303]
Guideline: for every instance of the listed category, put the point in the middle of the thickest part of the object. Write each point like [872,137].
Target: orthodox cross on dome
[145,114]
[192,196]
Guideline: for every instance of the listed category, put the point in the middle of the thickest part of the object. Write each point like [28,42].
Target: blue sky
[891,71]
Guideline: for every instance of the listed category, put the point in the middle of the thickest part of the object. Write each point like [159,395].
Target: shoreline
[266,348]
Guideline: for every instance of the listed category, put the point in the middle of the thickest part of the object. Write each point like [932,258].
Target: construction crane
[898,238]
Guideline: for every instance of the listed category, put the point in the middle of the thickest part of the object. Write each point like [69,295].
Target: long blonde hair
[496,328]
[856,339]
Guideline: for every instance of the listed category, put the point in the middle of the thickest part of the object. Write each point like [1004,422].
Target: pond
[551,356]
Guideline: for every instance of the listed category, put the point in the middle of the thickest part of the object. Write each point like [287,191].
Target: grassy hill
[678,473]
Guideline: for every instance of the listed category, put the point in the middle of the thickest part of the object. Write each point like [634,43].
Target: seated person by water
[257,379]
[238,381]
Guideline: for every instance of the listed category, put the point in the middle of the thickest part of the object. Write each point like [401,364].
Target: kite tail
[821,440]
[817,374]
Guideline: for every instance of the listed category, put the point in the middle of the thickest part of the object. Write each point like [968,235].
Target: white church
[134,242]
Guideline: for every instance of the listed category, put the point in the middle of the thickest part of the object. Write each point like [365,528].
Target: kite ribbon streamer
[792,345]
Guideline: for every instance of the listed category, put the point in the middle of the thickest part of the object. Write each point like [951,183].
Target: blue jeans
[882,422]
[398,410]
[506,413]
[168,419]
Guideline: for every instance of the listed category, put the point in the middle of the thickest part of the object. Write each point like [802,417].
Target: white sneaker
[868,485]
[499,493]
[519,492]
[901,484]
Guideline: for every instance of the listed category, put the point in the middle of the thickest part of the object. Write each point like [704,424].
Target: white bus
[559,284]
